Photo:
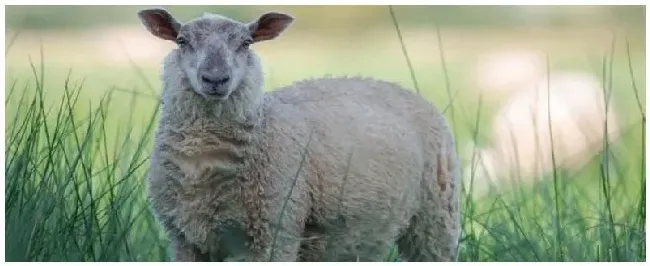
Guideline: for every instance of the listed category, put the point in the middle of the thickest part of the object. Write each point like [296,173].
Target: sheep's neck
[208,130]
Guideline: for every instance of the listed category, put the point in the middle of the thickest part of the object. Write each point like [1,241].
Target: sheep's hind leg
[428,239]
[432,234]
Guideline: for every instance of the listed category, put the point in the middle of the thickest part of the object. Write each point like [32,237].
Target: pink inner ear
[160,25]
[270,26]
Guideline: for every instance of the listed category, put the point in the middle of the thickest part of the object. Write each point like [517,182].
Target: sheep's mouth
[213,96]
[216,98]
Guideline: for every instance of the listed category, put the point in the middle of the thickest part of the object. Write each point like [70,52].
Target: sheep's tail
[448,165]
[449,180]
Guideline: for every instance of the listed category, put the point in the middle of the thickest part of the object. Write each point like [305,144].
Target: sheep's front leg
[186,252]
[286,226]
[284,244]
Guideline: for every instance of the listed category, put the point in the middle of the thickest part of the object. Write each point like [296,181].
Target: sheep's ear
[160,23]
[269,25]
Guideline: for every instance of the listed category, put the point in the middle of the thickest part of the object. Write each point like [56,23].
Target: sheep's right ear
[160,23]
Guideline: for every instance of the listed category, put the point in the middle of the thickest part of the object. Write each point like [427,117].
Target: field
[81,108]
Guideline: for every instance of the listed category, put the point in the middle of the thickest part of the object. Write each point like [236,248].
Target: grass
[73,191]
[74,177]
[560,218]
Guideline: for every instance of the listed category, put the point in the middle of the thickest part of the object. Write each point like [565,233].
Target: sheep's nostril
[223,80]
[215,80]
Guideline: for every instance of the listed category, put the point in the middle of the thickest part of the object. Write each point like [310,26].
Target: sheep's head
[213,51]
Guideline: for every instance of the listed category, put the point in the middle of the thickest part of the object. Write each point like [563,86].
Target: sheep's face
[214,51]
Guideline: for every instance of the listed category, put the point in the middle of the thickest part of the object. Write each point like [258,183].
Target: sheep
[498,74]
[324,169]
[572,104]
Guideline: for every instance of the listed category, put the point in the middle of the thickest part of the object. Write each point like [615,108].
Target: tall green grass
[74,191]
[594,214]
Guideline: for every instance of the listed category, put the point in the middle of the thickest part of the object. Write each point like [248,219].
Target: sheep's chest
[206,206]
[205,214]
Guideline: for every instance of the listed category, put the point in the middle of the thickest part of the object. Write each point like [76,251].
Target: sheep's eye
[247,43]
[181,41]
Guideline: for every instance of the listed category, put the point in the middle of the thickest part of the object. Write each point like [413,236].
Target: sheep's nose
[215,80]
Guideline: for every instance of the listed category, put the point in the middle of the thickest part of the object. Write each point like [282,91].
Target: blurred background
[490,53]
[102,43]
[484,66]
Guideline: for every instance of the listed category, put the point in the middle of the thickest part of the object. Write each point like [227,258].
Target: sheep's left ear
[160,23]
[269,25]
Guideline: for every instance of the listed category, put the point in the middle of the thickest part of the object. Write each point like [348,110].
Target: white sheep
[328,169]
[500,73]
[571,105]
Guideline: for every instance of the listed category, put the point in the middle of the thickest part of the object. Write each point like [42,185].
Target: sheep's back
[371,143]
